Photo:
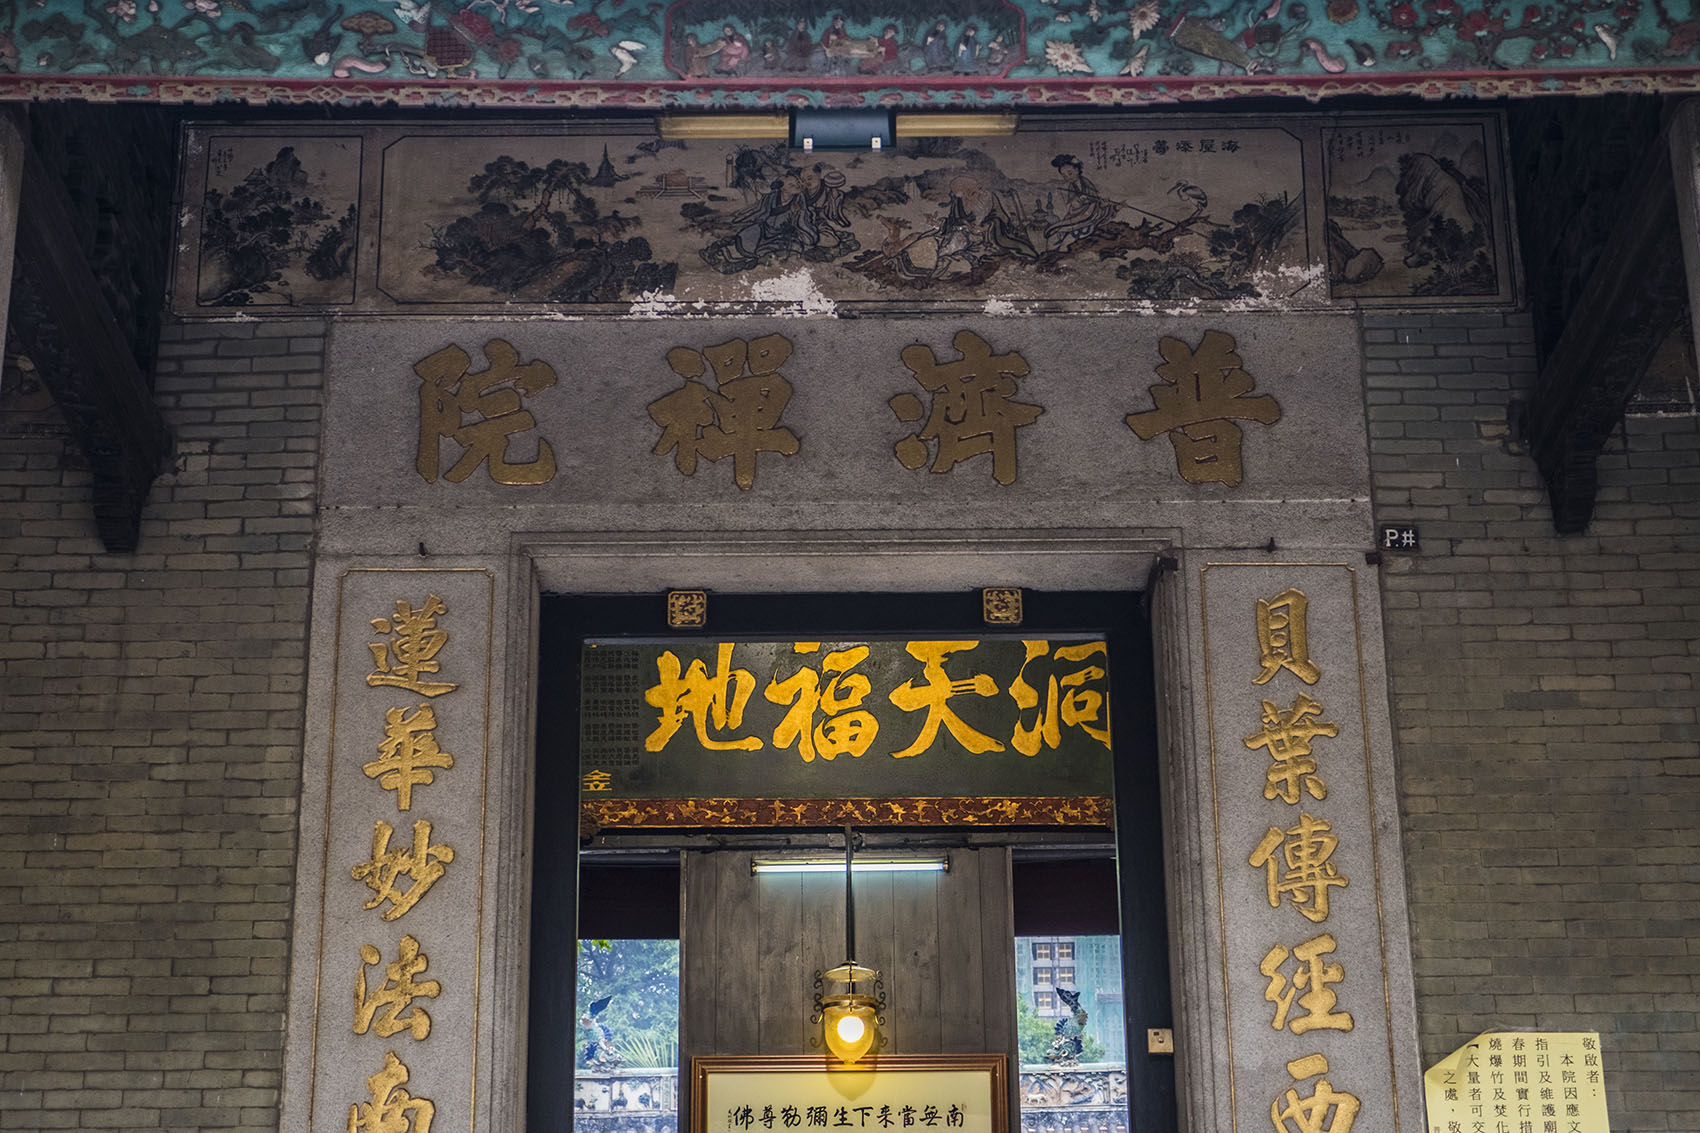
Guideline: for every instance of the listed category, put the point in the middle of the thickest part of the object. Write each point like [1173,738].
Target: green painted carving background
[947,53]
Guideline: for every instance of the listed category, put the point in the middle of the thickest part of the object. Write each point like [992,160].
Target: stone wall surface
[1546,717]
[150,747]
[1059,456]
[151,735]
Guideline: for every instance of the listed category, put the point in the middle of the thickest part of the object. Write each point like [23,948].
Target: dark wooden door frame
[567,620]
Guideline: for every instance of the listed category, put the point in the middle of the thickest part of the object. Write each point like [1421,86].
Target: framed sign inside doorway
[734,1094]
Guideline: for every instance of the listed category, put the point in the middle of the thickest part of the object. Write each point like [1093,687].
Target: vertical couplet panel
[391,913]
[1315,1013]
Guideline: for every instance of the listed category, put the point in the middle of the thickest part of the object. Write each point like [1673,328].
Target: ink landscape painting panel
[1196,213]
[1414,211]
[1299,212]
[278,221]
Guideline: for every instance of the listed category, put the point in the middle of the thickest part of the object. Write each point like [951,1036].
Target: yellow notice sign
[1519,1082]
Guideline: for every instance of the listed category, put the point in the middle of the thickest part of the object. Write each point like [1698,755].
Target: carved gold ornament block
[687,609]
[1001,605]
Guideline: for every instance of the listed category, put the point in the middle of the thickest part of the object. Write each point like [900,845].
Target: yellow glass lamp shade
[849,1023]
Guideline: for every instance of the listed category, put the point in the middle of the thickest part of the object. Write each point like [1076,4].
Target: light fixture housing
[850,1025]
[769,127]
[849,1019]
[864,863]
[848,128]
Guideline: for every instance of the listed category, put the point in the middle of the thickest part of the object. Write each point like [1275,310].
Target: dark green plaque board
[770,733]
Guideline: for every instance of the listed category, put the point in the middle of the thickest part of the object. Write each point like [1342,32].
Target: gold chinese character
[392,1109]
[422,866]
[1312,977]
[842,730]
[1309,875]
[1075,698]
[1205,388]
[1283,639]
[412,651]
[1287,735]
[972,412]
[408,754]
[395,995]
[449,394]
[1327,1110]
[938,689]
[740,419]
[704,699]
[599,781]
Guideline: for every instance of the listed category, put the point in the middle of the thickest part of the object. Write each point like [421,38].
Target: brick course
[151,715]
[150,739]
[1545,712]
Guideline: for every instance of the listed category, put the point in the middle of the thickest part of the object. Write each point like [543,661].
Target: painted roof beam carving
[1636,295]
[69,332]
[876,54]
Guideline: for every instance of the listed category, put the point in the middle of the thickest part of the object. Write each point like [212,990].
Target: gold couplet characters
[844,728]
[422,865]
[409,653]
[738,418]
[1283,638]
[1313,975]
[481,412]
[1205,389]
[392,1109]
[409,756]
[407,657]
[1304,850]
[1326,1110]
[1287,736]
[1297,860]
[381,1009]
[973,409]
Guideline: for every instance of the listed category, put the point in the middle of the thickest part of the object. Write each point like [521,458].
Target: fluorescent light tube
[864,864]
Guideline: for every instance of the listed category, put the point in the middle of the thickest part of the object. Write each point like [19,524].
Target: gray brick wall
[151,711]
[150,737]
[1546,716]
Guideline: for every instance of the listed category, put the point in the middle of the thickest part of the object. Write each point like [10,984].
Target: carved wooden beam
[1635,296]
[69,332]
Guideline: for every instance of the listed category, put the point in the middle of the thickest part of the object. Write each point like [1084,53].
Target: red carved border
[913,93]
[640,814]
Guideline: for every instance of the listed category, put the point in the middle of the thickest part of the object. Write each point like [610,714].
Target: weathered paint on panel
[1187,213]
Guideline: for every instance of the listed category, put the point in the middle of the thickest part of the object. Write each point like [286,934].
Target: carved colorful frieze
[702,54]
